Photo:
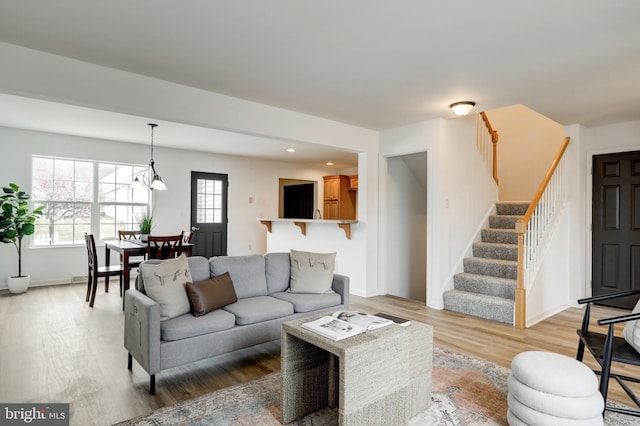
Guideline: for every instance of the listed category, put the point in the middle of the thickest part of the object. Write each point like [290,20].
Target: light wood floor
[54,348]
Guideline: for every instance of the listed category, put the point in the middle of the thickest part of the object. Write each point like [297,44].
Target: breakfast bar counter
[345,225]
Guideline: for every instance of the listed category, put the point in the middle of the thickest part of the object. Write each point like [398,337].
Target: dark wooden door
[209,213]
[616,225]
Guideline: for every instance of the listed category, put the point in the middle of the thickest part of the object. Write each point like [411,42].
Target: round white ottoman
[552,389]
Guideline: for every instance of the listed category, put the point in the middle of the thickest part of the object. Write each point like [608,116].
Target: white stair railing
[534,228]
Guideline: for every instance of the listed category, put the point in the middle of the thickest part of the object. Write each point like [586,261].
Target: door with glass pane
[209,213]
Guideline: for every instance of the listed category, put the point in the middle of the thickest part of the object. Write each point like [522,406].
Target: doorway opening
[297,198]
[406,224]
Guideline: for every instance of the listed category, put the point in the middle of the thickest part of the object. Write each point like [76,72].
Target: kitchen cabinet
[339,200]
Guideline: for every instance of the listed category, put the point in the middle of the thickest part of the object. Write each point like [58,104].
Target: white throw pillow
[631,330]
[165,284]
[311,272]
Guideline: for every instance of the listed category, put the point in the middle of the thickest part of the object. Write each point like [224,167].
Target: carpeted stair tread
[518,208]
[484,284]
[486,288]
[492,267]
[495,251]
[503,221]
[504,236]
[480,305]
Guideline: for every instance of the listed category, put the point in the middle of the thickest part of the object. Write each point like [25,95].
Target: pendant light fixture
[150,177]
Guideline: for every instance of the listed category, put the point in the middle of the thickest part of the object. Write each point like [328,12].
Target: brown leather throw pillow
[212,294]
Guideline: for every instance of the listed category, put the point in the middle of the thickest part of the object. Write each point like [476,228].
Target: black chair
[608,349]
[164,247]
[95,271]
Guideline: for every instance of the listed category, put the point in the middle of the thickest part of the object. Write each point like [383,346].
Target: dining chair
[95,271]
[134,262]
[164,247]
[186,239]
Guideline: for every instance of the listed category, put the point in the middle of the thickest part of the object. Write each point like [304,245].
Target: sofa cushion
[251,310]
[309,302]
[247,273]
[186,326]
[164,283]
[311,272]
[278,268]
[209,295]
[199,267]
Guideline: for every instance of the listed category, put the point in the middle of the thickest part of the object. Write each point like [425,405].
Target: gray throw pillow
[311,272]
[165,284]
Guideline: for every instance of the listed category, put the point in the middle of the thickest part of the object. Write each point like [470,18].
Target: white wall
[528,143]
[551,290]
[326,238]
[460,192]
[248,178]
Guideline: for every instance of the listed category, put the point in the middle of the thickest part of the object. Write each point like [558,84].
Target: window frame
[96,205]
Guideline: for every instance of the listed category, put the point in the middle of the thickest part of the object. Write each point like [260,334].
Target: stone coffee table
[379,377]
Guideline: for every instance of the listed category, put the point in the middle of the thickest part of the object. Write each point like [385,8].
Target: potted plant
[145,222]
[16,222]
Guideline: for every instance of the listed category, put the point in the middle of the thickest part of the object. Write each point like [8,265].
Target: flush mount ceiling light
[462,108]
[291,150]
[150,178]
[329,163]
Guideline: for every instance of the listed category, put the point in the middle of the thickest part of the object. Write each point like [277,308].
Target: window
[209,204]
[83,196]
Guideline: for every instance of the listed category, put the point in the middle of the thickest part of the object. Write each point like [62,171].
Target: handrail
[545,181]
[491,158]
[533,227]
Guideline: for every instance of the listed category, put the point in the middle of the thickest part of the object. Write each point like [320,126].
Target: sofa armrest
[142,330]
[341,285]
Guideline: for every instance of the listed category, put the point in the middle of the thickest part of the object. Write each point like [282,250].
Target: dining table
[127,249]
[131,248]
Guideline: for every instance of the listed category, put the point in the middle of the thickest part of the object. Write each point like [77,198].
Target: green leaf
[28,229]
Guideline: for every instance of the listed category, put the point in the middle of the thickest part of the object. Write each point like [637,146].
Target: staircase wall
[550,292]
[460,192]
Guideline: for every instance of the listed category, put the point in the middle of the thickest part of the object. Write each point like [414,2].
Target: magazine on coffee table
[398,320]
[369,322]
[333,328]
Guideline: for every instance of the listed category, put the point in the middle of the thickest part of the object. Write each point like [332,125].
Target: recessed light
[329,163]
[291,150]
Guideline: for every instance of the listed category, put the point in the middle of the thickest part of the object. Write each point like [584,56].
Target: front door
[616,225]
[209,213]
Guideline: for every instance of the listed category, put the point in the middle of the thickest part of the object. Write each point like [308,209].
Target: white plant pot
[19,284]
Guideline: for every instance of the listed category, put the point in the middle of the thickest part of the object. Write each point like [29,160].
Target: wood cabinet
[339,201]
[353,182]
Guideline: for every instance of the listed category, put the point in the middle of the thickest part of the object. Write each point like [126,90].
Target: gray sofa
[260,283]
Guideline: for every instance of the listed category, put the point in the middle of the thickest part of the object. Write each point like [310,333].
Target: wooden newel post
[521,292]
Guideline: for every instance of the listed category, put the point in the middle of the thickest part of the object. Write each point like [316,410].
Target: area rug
[466,391]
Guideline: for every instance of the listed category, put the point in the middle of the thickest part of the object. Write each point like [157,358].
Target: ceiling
[377,64]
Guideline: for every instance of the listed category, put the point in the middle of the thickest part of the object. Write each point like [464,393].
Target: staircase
[487,286]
